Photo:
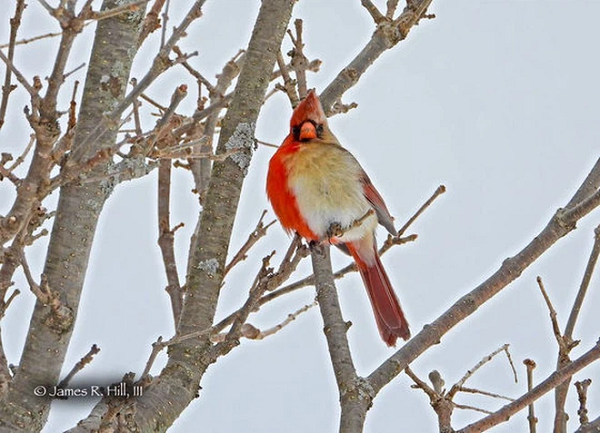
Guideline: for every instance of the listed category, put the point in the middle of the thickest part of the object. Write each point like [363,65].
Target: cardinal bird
[319,190]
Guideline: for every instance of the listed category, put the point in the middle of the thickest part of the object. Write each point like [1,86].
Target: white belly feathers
[326,180]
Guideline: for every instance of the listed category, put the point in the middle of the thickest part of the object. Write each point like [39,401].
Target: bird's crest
[309,109]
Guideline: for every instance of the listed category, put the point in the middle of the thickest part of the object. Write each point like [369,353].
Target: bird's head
[308,120]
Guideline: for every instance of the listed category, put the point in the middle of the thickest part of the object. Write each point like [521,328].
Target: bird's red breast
[282,198]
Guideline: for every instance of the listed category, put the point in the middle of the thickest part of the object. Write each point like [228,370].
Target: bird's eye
[296,131]
[319,130]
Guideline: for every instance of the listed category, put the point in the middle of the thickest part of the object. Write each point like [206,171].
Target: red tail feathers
[388,314]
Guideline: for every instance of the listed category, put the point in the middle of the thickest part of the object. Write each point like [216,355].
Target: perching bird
[319,190]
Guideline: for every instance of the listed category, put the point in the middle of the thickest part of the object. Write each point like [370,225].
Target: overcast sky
[497,100]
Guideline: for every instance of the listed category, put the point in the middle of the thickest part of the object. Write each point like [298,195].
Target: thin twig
[21,158]
[79,366]
[34,39]
[264,143]
[553,319]
[585,282]
[582,387]
[5,304]
[299,63]
[439,191]
[566,342]
[251,332]
[7,88]
[531,418]
[259,231]
[39,290]
[473,408]
[547,385]
[165,18]
[256,290]
[458,385]
[20,77]
[289,85]
[486,393]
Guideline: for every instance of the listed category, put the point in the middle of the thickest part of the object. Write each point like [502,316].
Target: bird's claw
[335,230]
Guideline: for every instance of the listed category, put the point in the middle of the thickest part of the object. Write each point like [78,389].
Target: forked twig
[259,231]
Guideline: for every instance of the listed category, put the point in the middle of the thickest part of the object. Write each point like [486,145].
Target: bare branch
[166,238]
[458,385]
[510,269]
[373,11]
[486,393]
[442,403]
[253,333]
[566,342]
[391,8]
[7,88]
[289,85]
[439,191]
[355,393]
[152,21]
[87,358]
[555,327]
[5,304]
[19,75]
[386,35]
[299,63]
[585,282]
[33,39]
[259,232]
[582,387]
[547,385]
[531,419]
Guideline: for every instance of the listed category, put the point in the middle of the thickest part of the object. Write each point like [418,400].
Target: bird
[319,190]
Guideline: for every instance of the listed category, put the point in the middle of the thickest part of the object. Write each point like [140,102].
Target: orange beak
[307,131]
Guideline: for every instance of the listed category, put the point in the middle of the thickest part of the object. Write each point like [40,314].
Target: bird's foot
[334,230]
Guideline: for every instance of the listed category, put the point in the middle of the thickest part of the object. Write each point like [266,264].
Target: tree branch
[510,270]
[387,34]
[178,383]
[356,395]
[15,22]
[547,385]
[77,215]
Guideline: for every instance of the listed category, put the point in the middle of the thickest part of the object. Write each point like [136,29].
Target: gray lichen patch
[210,266]
[241,144]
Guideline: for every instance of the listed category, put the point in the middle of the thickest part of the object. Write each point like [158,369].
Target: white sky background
[496,100]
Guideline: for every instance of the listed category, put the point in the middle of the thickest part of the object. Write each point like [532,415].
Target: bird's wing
[383,214]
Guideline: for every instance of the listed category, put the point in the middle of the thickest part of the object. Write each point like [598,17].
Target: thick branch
[355,394]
